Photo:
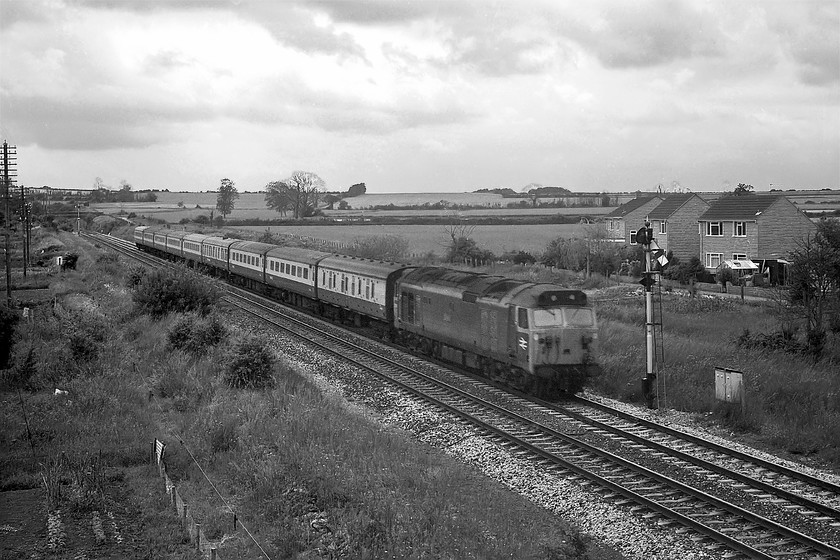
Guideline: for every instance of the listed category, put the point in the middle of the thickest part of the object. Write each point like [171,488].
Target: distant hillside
[532,189]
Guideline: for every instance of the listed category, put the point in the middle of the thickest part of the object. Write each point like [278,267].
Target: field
[423,239]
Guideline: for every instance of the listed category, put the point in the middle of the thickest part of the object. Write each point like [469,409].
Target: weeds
[249,364]
[195,334]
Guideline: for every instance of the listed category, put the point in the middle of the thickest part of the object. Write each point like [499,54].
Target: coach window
[522,318]
[306,274]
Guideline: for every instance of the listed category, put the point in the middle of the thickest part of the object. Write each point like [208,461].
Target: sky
[423,96]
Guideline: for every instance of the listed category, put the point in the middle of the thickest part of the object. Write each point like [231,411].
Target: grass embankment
[305,473]
[792,403]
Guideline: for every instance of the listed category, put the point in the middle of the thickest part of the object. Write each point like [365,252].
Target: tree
[125,194]
[305,188]
[227,197]
[356,190]
[743,189]
[279,197]
[815,281]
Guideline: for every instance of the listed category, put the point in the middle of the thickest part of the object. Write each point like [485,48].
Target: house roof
[628,207]
[745,207]
[670,204]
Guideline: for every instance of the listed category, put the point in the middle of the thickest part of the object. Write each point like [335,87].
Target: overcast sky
[423,96]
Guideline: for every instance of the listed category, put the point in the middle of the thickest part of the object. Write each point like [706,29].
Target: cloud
[389,11]
[643,34]
[812,38]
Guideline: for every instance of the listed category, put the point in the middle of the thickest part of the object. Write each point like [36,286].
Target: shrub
[136,274]
[518,257]
[249,364]
[8,321]
[175,290]
[20,377]
[194,334]
[70,260]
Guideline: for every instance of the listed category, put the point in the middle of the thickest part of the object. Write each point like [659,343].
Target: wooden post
[198,537]
[212,552]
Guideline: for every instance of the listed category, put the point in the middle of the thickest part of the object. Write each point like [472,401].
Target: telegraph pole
[23,227]
[8,174]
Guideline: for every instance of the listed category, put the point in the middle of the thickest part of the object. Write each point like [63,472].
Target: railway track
[648,493]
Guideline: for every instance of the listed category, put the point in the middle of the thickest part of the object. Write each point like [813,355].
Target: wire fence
[203,546]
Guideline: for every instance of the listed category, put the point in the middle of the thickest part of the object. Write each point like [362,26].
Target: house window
[663,227]
[609,224]
[713,260]
[632,236]
[714,229]
[739,257]
[740,229]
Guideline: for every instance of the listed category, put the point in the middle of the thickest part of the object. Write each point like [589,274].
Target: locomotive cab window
[579,317]
[548,318]
[522,318]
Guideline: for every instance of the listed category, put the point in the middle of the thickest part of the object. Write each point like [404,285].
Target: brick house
[622,223]
[761,228]
[674,224]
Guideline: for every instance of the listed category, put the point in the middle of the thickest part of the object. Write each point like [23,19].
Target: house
[674,224]
[623,222]
[761,228]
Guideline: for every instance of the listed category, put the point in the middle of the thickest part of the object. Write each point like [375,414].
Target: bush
[70,260]
[175,290]
[518,257]
[195,334]
[8,321]
[249,365]
[136,274]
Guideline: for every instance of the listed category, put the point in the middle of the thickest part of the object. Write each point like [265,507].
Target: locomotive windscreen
[554,298]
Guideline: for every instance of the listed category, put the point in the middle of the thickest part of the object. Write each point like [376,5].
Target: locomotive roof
[548,295]
[474,285]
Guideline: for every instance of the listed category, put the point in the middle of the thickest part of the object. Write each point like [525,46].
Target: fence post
[198,537]
[212,552]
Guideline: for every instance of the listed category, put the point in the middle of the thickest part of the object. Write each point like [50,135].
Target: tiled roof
[744,207]
[670,204]
[628,207]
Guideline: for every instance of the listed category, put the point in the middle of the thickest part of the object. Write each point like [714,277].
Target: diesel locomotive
[536,337]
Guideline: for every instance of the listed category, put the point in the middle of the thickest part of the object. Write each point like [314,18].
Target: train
[538,338]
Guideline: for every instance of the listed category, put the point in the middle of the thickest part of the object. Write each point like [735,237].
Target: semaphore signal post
[644,237]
